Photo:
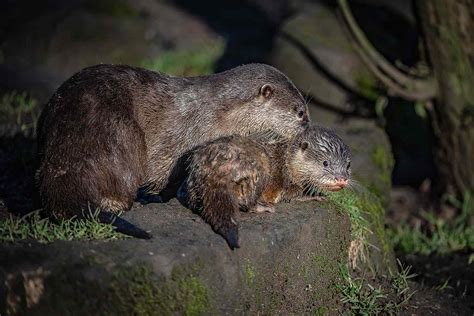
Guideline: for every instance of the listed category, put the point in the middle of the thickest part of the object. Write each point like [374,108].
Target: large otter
[111,129]
[251,174]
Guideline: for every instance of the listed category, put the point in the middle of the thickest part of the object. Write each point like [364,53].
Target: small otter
[111,129]
[245,173]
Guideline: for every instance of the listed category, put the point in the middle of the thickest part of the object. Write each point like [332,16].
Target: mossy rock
[287,264]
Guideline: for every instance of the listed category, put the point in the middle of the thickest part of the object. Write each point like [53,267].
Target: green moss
[250,275]
[321,311]
[322,262]
[367,86]
[189,62]
[376,216]
[194,296]
[139,292]
[299,280]
[116,8]
[367,218]
[384,163]
[135,290]
[96,286]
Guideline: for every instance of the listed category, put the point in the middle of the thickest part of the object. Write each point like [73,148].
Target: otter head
[269,102]
[319,160]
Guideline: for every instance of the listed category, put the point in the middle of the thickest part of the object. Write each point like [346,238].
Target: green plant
[20,110]
[348,202]
[32,226]
[361,298]
[441,236]
[187,62]
[399,281]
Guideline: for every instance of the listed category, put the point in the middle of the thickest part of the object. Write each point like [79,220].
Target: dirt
[429,301]
[444,283]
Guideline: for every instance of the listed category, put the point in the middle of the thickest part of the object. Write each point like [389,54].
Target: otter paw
[262,208]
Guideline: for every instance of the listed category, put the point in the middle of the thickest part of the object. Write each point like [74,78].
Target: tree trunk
[448,27]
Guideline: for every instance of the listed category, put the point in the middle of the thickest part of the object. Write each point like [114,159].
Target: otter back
[110,130]
[243,173]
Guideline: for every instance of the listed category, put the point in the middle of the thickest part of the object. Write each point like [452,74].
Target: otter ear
[303,145]
[266,90]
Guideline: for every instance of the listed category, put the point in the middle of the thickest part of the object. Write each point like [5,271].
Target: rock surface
[42,44]
[288,263]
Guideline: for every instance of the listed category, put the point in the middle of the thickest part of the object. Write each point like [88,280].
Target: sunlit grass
[33,226]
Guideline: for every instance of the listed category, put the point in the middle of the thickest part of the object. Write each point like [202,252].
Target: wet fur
[245,173]
[112,129]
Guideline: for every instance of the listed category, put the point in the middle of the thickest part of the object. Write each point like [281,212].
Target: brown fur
[246,173]
[109,130]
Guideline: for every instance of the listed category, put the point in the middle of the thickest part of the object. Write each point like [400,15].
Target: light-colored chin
[334,188]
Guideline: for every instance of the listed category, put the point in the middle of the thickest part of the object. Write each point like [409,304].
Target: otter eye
[266,90]
[304,145]
[325,163]
[300,114]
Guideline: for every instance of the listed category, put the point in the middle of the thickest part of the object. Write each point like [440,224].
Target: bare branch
[398,83]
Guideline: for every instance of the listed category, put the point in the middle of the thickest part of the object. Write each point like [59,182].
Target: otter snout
[340,182]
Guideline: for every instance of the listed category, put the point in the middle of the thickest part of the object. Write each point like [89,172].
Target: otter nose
[303,116]
[341,181]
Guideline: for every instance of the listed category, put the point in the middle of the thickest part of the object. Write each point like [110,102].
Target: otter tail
[216,206]
[219,211]
[123,226]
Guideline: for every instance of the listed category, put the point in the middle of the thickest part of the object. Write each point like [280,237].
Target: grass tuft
[348,202]
[33,226]
[361,298]
[440,236]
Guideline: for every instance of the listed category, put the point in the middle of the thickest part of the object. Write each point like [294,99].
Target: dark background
[42,43]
